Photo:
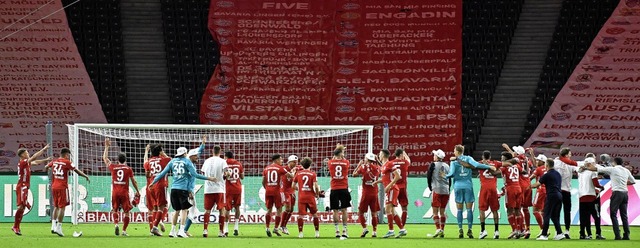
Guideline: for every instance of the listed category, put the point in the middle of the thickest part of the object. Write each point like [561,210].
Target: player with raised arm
[541,191]
[193,210]
[461,173]
[511,175]
[488,198]
[121,174]
[214,192]
[340,198]
[403,162]
[60,187]
[182,170]
[390,178]
[306,184]
[288,191]
[24,183]
[370,171]
[439,185]
[148,198]
[519,152]
[158,194]
[271,181]
[234,190]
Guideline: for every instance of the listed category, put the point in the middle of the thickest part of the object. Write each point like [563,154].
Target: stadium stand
[191,55]
[96,29]
[488,29]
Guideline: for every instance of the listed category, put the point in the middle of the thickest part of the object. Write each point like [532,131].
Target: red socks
[277,221]
[404,218]
[18,219]
[538,217]
[285,218]
[374,223]
[300,224]
[512,221]
[398,221]
[126,220]
[436,221]
[527,218]
[363,222]
[159,215]
[316,223]
[519,221]
[150,218]
[116,217]
[221,222]
[390,221]
[267,218]
[206,221]
[443,221]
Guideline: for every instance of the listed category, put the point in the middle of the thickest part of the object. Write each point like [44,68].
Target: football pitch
[253,235]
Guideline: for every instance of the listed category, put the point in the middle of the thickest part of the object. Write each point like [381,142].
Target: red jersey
[339,171]
[370,173]
[403,165]
[272,175]
[511,175]
[525,182]
[24,173]
[387,174]
[234,184]
[488,180]
[538,173]
[288,182]
[155,165]
[60,170]
[305,180]
[120,176]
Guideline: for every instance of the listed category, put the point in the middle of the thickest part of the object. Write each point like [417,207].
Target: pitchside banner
[598,110]
[95,206]
[341,62]
[42,78]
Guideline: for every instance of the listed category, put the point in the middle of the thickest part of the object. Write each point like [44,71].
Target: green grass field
[101,235]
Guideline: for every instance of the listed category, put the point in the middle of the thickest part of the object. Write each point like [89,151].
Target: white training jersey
[585,182]
[214,167]
[619,177]
[566,172]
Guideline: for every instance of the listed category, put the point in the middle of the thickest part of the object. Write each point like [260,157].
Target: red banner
[42,78]
[598,109]
[341,62]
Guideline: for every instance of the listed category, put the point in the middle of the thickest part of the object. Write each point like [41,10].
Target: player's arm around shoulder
[162,173]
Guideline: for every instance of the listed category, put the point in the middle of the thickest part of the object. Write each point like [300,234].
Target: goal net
[252,146]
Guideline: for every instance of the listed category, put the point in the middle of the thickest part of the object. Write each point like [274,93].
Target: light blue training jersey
[183,171]
[462,175]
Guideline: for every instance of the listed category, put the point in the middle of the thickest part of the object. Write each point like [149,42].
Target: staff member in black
[552,205]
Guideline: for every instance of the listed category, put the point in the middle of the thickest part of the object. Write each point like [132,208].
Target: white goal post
[253,146]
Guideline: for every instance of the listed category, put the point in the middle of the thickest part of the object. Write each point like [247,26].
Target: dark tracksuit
[553,204]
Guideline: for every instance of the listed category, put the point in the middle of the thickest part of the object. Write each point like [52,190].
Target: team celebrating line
[517,166]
